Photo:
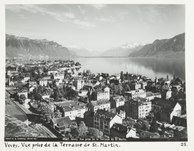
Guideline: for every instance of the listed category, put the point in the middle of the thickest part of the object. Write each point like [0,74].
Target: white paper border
[189,62]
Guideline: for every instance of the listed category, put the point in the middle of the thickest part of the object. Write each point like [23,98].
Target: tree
[22,99]
[57,114]
[154,126]
[122,76]
[93,132]
[74,129]
[126,87]
[77,64]
[157,115]
[127,76]
[71,93]
[93,96]
[150,116]
[61,92]
[36,95]
[75,133]
[74,125]
[52,76]
[56,94]
[180,134]
[88,72]
[45,110]
[142,125]
[36,73]
[20,69]
[116,89]
[82,129]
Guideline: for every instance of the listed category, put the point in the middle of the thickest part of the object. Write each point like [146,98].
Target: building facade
[138,108]
[104,120]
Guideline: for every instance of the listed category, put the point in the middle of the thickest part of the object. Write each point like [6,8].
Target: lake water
[150,67]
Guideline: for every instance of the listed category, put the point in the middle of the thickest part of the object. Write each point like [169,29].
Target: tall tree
[122,76]
[22,99]
[93,132]
[154,126]
[57,114]
[45,110]
[83,129]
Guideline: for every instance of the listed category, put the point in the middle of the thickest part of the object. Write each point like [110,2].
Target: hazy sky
[95,27]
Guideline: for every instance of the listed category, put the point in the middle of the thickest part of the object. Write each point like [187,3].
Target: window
[106,122]
[96,123]
[106,127]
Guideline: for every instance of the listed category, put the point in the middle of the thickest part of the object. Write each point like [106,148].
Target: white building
[95,105]
[79,83]
[176,111]
[45,96]
[104,95]
[151,96]
[122,114]
[73,112]
[131,133]
[72,109]
[117,101]
[44,81]
[144,109]
[120,101]
[168,94]
[137,93]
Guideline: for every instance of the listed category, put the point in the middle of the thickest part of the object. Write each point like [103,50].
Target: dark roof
[167,104]
[89,113]
[144,121]
[70,105]
[147,134]
[104,114]
[140,99]
[119,128]
[129,122]
[179,120]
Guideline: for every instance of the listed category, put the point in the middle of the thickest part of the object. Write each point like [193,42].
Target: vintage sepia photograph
[95,72]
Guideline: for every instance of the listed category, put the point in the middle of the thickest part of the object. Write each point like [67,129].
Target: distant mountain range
[42,49]
[123,50]
[81,52]
[173,47]
[33,48]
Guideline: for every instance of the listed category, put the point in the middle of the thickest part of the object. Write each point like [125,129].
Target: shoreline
[77,57]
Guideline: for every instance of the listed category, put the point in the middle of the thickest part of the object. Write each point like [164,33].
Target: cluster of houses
[123,106]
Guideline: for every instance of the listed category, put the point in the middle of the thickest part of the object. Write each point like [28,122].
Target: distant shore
[151,57]
[77,57]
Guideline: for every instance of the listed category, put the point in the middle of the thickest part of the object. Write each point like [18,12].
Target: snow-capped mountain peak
[131,45]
